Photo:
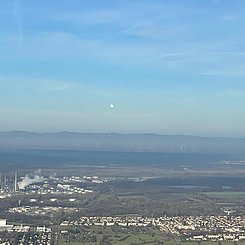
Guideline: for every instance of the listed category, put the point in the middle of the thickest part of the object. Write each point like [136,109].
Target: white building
[4,226]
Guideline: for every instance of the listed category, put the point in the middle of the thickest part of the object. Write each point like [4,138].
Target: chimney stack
[15,181]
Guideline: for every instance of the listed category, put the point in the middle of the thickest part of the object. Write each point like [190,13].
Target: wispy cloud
[224,73]
[18,17]
[63,87]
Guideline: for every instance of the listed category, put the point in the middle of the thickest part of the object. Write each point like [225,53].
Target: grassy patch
[226,194]
[116,235]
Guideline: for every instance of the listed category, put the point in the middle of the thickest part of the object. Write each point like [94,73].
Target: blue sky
[169,66]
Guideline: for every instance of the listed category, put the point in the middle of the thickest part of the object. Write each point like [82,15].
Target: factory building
[4,226]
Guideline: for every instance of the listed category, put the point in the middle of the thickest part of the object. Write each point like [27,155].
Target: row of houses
[192,228]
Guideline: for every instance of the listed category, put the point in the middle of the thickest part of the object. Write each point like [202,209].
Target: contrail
[18,17]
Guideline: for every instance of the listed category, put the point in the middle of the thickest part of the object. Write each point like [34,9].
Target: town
[23,234]
[199,228]
[183,228]
[47,208]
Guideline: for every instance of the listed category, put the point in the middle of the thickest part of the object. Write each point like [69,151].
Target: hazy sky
[169,66]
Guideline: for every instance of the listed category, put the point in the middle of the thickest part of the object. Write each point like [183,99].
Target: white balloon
[112,106]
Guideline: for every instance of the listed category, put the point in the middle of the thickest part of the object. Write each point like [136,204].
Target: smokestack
[5,182]
[15,181]
[1,182]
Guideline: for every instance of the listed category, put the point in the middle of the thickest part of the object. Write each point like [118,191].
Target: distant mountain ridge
[148,142]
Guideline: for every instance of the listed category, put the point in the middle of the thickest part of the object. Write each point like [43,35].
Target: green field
[117,235]
[125,236]
[211,243]
[226,194]
[140,242]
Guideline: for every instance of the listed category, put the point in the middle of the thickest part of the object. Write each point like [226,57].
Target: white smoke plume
[28,180]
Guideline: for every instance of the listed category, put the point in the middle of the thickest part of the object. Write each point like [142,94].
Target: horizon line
[84,132]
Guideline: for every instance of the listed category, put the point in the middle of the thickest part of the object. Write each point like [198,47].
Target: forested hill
[119,142]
